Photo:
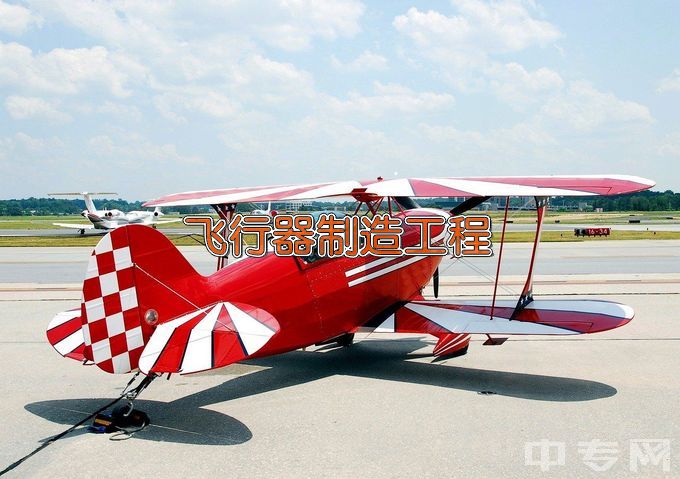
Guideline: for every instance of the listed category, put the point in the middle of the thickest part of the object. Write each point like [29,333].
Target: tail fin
[140,291]
[133,271]
[89,204]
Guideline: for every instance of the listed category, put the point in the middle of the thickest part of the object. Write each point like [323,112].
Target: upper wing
[75,226]
[258,194]
[585,185]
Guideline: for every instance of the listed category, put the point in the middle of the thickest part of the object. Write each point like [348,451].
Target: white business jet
[111,219]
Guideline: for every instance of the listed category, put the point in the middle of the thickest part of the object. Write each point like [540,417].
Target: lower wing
[454,321]
[541,316]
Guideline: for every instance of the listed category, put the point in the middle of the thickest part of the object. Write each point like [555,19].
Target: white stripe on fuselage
[398,260]
[384,271]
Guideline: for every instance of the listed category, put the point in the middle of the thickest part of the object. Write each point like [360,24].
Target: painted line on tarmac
[562,283]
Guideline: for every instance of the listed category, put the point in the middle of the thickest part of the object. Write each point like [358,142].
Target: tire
[346,340]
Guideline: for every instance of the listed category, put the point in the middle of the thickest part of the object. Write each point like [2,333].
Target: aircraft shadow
[389,360]
[185,420]
[170,422]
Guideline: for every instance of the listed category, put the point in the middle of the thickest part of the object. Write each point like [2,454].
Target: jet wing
[75,226]
[584,185]
[166,221]
[541,316]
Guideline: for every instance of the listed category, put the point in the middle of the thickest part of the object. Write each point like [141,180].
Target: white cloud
[130,148]
[585,108]
[66,71]
[16,19]
[366,61]
[257,81]
[125,112]
[670,146]
[154,25]
[172,104]
[516,86]
[528,147]
[38,144]
[391,98]
[5,152]
[127,162]
[670,83]
[184,47]
[191,64]
[269,81]
[465,48]
[297,21]
[24,156]
[23,108]
[479,28]
[110,21]
[225,69]
[512,142]
[464,45]
[332,149]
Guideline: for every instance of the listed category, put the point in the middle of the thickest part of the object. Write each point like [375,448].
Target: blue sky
[148,98]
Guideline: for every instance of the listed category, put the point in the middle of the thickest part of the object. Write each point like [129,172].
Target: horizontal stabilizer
[207,338]
[65,333]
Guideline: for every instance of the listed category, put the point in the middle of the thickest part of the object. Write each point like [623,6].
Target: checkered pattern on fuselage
[111,322]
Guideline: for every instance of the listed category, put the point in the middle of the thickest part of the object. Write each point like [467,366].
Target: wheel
[345,340]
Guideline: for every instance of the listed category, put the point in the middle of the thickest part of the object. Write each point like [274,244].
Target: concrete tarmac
[380,408]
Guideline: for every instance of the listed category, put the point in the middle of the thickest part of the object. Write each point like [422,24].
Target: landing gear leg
[343,340]
[131,395]
[127,419]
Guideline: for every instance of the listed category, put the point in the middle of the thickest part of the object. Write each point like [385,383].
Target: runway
[380,408]
[496,225]
[67,265]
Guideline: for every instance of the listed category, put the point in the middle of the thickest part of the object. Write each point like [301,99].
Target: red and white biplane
[145,308]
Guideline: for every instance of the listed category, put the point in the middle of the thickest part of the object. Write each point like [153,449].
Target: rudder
[134,271]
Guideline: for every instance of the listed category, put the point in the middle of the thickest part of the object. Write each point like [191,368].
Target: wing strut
[527,295]
[226,212]
[500,257]
[498,341]
[469,204]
